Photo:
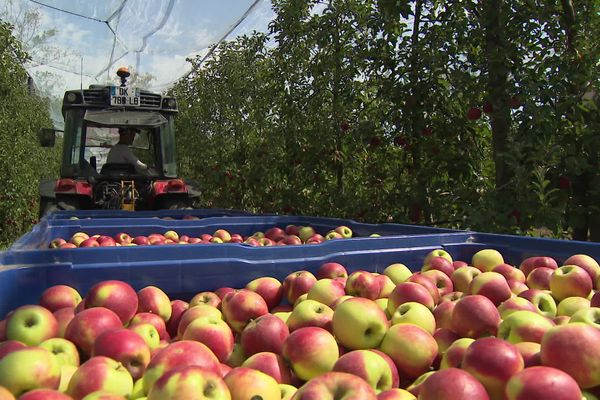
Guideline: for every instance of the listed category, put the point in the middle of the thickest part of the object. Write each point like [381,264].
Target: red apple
[189,382]
[515,304]
[475,316]
[539,278]
[270,289]
[442,314]
[424,281]
[275,234]
[334,385]
[493,361]
[126,347]
[367,365]
[541,383]
[178,307]
[587,263]
[409,291]
[153,300]
[266,333]
[271,364]
[332,270]
[454,354]
[412,348]
[86,326]
[59,296]
[8,346]
[311,352]
[63,317]
[440,264]
[100,373]
[531,263]
[524,326]
[208,298]
[214,333]
[44,394]
[153,319]
[462,277]
[247,383]
[241,306]
[326,291]
[117,296]
[570,281]
[201,310]
[441,280]
[491,285]
[452,384]
[296,284]
[530,352]
[510,273]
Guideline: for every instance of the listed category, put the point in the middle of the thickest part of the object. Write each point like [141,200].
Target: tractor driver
[121,153]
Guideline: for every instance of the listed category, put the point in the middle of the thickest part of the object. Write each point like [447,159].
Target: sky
[152,36]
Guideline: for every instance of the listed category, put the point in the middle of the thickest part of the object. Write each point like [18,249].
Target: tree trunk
[497,69]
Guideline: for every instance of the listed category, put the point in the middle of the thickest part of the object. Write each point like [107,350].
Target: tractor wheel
[47,206]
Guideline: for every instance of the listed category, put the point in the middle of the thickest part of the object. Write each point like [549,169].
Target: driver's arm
[132,159]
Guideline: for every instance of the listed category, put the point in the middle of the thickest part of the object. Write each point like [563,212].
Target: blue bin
[160,214]
[182,276]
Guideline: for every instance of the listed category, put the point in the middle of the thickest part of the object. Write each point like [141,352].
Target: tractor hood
[114,118]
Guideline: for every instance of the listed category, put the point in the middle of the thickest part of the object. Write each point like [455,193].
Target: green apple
[31,324]
[305,232]
[359,323]
[524,326]
[368,365]
[64,350]
[590,316]
[571,305]
[66,372]
[437,253]
[191,382]
[148,332]
[397,272]
[100,373]
[28,369]
[414,313]
[310,313]
[487,259]
[287,391]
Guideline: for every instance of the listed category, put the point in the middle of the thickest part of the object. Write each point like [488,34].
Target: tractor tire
[47,206]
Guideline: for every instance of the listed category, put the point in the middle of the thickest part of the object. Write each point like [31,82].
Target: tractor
[94,120]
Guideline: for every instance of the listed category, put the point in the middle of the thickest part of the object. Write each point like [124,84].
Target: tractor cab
[118,151]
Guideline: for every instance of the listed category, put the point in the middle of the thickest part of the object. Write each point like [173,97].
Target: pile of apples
[451,331]
[290,235]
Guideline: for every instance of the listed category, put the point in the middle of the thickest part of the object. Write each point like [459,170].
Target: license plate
[124,96]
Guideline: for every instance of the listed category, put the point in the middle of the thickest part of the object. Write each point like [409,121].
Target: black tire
[47,206]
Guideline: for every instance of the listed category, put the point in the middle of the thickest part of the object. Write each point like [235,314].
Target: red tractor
[118,152]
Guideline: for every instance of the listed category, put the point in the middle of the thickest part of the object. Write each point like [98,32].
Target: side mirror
[47,137]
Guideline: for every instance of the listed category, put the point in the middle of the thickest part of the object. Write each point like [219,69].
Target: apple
[531,263]
[275,234]
[441,264]
[414,313]
[271,364]
[68,246]
[491,285]
[570,305]
[332,270]
[59,296]
[590,316]
[236,238]
[64,350]
[107,241]
[296,284]
[31,324]
[44,394]
[141,240]
[266,242]
[392,365]
[241,306]
[442,314]
[269,288]
[310,351]
[409,291]
[441,281]
[126,347]
[89,242]
[524,326]
[237,357]
[454,354]
[515,304]
[367,365]
[201,310]
[427,283]
[305,233]
[332,235]
[208,298]
[492,362]
[517,287]
[148,333]
[459,264]
[100,373]
[214,333]
[336,385]
[63,317]
[485,260]
[29,369]
[222,234]
[568,281]
[8,346]
[396,394]
[539,278]
[326,291]
[359,323]
[78,237]
[292,229]
[150,318]
[266,333]
[117,296]
[315,239]
[541,383]
[291,240]
[87,325]
[437,253]
[123,238]
[247,383]
[344,231]
[153,300]
[189,382]
[543,301]
[452,384]
[444,338]
[179,354]
[530,352]
[397,272]
[57,243]
[287,391]
[178,307]
[462,277]
[412,348]
[587,263]
[510,273]
[310,313]
[475,316]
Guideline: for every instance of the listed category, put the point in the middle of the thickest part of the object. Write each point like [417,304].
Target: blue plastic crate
[183,276]
[161,214]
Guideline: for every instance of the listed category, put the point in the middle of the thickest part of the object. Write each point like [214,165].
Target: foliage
[357,109]
[22,161]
